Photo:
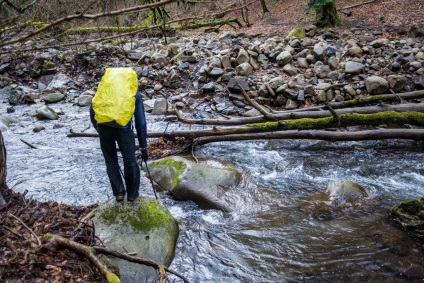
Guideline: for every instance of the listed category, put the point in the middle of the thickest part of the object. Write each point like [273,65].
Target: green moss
[411,206]
[46,237]
[169,162]
[387,117]
[148,215]
[266,126]
[112,278]
[391,117]
[297,33]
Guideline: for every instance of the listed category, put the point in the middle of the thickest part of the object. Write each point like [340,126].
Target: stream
[267,238]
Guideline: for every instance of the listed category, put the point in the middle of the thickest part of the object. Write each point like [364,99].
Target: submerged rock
[340,198]
[186,180]
[145,227]
[409,215]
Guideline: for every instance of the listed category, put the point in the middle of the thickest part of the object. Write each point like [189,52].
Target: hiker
[116,101]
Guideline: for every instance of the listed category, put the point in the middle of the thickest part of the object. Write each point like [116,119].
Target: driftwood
[355,5]
[414,134]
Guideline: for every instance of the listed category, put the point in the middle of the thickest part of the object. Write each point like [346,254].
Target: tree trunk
[2,162]
[326,15]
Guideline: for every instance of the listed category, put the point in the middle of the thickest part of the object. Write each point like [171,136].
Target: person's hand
[144,154]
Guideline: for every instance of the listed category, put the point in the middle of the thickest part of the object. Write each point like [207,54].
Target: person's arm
[93,121]
[140,121]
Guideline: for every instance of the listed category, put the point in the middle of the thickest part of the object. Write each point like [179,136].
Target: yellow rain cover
[115,96]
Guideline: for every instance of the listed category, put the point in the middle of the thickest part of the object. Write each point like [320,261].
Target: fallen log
[417,107]
[342,121]
[413,134]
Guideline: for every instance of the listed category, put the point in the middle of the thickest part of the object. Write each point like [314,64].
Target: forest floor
[22,260]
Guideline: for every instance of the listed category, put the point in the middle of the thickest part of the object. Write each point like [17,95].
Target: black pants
[124,137]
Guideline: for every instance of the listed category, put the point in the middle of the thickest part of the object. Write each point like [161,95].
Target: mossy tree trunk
[326,12]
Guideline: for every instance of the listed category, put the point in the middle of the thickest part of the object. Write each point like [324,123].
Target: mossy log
[284,115]
[344,120]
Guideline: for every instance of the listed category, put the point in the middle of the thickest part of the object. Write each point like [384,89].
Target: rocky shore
[201,74]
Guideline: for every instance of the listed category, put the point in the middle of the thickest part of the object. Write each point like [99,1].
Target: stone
[53,97]
[45,113]
[409,215]
[242,57]
[84,100]
[322,71]
[145,227]
[284,58]
[341,197]
[244,69]
[354,68]
[234,82]
[290,70]
[204,185]
[376,85]
[160,106]
[397,82]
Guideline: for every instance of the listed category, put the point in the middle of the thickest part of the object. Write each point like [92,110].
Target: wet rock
[376,85]
[37,129]
[342,197]
[409,215]
[150,231]
[5,122]
[186,180]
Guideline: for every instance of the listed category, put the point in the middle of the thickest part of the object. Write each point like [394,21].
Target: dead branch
[356,5]
[83,250]
[29,229]
[90,253]
[28,144]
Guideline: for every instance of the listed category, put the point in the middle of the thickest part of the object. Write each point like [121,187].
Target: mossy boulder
[186,180]
[296,33]
[144,227]
[409,215]
[341,198]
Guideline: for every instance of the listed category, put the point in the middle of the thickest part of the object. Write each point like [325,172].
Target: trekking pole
[151,180]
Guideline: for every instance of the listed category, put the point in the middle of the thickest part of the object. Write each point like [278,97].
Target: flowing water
[266,238]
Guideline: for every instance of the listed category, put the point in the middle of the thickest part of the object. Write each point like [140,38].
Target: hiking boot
[130,199]
[119,198]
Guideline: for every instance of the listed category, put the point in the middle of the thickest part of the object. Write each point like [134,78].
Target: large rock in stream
[186,180]
[341,198]
[145,227]
[409,215]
